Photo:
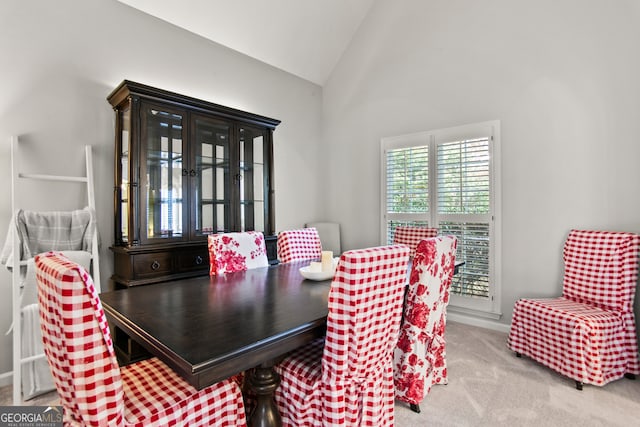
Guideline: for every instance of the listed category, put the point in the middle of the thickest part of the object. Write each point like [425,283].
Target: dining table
[210,328]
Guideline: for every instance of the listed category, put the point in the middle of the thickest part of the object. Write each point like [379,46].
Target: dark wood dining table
[210,328]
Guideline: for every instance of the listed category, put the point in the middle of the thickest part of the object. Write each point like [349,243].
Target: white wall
[61,59]
[560,75]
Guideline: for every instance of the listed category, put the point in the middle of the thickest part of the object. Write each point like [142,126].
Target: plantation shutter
[463,198]
[407,187]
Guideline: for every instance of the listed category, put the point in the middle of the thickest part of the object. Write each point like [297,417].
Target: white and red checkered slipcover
[588,334]
[230,252]
[346,378]
[93,390]
[411,236]
[294,245]
[420,356]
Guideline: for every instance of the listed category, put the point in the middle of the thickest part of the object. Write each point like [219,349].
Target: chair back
[411,236]
[421,351]
[77,342]
[231,252]
[601,268]
[294,245]
[365,307]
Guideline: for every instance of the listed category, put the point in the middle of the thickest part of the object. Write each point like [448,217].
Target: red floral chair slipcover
[230,252]
[588,334]
[420,356]
[347,378]
[93,390]
[411,236]
[294,245]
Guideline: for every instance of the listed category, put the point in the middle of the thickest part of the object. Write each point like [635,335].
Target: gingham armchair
[93,390]
[411,236]
[294,245]
[347,378]
[420,356]
[588,334]
[230,252]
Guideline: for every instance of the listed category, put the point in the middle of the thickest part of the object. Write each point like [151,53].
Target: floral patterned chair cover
[411,236]
[93,390]
[230,252]
[420,356]
[588,334]
[294,245]
[347,378]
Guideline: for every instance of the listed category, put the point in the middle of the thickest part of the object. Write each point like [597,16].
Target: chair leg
[630,376]
[579,385]
[415,408]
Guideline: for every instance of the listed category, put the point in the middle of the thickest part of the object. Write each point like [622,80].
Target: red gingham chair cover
[231,252]
[420,356]
[92,388]
[350,381]
[588,334]
[295,245]
[411,236]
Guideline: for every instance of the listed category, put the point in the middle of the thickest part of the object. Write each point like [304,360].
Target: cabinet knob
[199,260]
[155,265]
[192,172]
[185,172]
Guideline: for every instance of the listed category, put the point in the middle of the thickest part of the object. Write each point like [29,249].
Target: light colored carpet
[489,386]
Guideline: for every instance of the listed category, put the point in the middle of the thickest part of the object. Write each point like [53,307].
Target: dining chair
[588,333]
[420,355]
[238,251]
[346,378]
[93,390]
[294,245]
[411,236]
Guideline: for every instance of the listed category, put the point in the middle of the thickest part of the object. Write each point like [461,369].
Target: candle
[315,267]
[327,260]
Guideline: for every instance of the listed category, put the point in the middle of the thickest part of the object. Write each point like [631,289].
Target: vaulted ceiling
[303,37]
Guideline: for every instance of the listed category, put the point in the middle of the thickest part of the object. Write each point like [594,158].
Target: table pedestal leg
[263,382]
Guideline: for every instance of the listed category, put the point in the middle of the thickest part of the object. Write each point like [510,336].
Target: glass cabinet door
[211,184]
[123,196]
[164,174]
[252,178]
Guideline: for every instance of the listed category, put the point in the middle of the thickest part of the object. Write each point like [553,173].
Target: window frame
[484,307]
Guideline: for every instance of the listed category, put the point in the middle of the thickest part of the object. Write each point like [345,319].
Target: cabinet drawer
[193,260]
[153,264]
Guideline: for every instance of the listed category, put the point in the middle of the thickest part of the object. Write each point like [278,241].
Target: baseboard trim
[481,323]
[6,378]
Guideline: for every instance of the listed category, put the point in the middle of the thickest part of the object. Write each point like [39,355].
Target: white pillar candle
[315,267]
[327,260]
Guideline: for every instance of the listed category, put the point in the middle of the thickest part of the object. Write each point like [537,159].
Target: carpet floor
[489,386]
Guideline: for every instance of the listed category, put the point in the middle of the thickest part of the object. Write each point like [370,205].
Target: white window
[449,179]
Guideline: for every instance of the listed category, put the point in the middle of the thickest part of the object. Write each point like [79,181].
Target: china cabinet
[185,168]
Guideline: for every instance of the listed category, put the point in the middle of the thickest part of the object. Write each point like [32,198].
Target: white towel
[36,375]
[49,231]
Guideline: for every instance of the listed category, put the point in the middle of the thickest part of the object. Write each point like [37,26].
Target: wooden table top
[209,328]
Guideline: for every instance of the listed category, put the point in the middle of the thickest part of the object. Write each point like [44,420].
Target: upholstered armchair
[294,245]
[588,334]
[93,389]
[346,378]
[230,252]
[411,236]
[420,355]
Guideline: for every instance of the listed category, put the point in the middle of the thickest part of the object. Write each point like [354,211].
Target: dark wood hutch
[184,169]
